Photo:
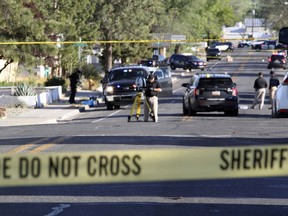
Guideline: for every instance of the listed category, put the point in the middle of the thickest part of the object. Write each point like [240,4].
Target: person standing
[260,86]
[74,80]
[273,85]
[151,97]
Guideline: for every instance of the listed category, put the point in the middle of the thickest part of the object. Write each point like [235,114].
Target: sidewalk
[52,113]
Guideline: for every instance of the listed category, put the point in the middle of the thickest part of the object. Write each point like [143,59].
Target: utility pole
[253,15]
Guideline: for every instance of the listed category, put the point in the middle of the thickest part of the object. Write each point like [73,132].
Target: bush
[24,90]
[56,81]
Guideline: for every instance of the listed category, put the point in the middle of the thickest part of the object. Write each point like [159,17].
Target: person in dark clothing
[273,85]
[260,86]
[152,89]
[74,80]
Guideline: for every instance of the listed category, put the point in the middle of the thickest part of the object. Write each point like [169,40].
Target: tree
[125,20]
[69,20]
[44,20]
[199,18]
[275,12]
[18,24]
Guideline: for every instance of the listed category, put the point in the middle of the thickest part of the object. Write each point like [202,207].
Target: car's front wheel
[172,67]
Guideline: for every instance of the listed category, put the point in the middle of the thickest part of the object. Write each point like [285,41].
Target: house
[257,28]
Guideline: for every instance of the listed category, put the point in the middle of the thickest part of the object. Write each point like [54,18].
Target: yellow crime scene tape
[143,165]
[122,41]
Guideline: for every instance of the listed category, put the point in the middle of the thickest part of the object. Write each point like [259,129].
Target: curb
[67,115]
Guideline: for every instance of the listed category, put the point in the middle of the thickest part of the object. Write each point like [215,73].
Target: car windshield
[193,58]
[208,82]
[131,73]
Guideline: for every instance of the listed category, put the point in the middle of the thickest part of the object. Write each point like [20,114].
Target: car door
[165,82]
[190,91]
[265,45]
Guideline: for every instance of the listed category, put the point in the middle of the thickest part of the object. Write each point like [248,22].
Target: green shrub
[56,81]
[24,90]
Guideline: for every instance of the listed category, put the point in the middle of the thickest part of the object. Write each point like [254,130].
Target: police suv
[120,88]
[210,92]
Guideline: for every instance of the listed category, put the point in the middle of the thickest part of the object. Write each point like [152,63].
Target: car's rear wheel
[191,112]
[276,114]
[117,106]
[274,110]
[185,110]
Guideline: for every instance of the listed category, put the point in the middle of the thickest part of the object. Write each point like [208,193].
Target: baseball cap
[260,73]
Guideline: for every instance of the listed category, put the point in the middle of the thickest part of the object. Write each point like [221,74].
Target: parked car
[280,101]
[243,44]
[277,61]
[281,46]
[213,54]
[186,62]
[148,62]
[265,45]
[163,75]
[223,46]
[193,62]
[210,92]
[255,43]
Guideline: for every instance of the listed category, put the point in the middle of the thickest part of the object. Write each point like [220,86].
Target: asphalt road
[100,129]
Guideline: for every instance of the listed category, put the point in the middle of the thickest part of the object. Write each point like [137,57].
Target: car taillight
[269,59]
[234,92]
[196,92]
[285,81]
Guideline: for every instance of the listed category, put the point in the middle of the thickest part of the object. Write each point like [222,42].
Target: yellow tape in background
[143,165]
[122,41]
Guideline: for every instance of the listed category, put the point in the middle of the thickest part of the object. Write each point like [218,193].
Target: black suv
[277,61]
[120,87]
[213,54]
[186,62]
[209,93]
[265,45]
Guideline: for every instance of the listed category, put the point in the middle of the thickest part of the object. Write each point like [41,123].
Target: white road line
[57,210]
[168,135]
[143,199]
[178,89]
[98,120]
